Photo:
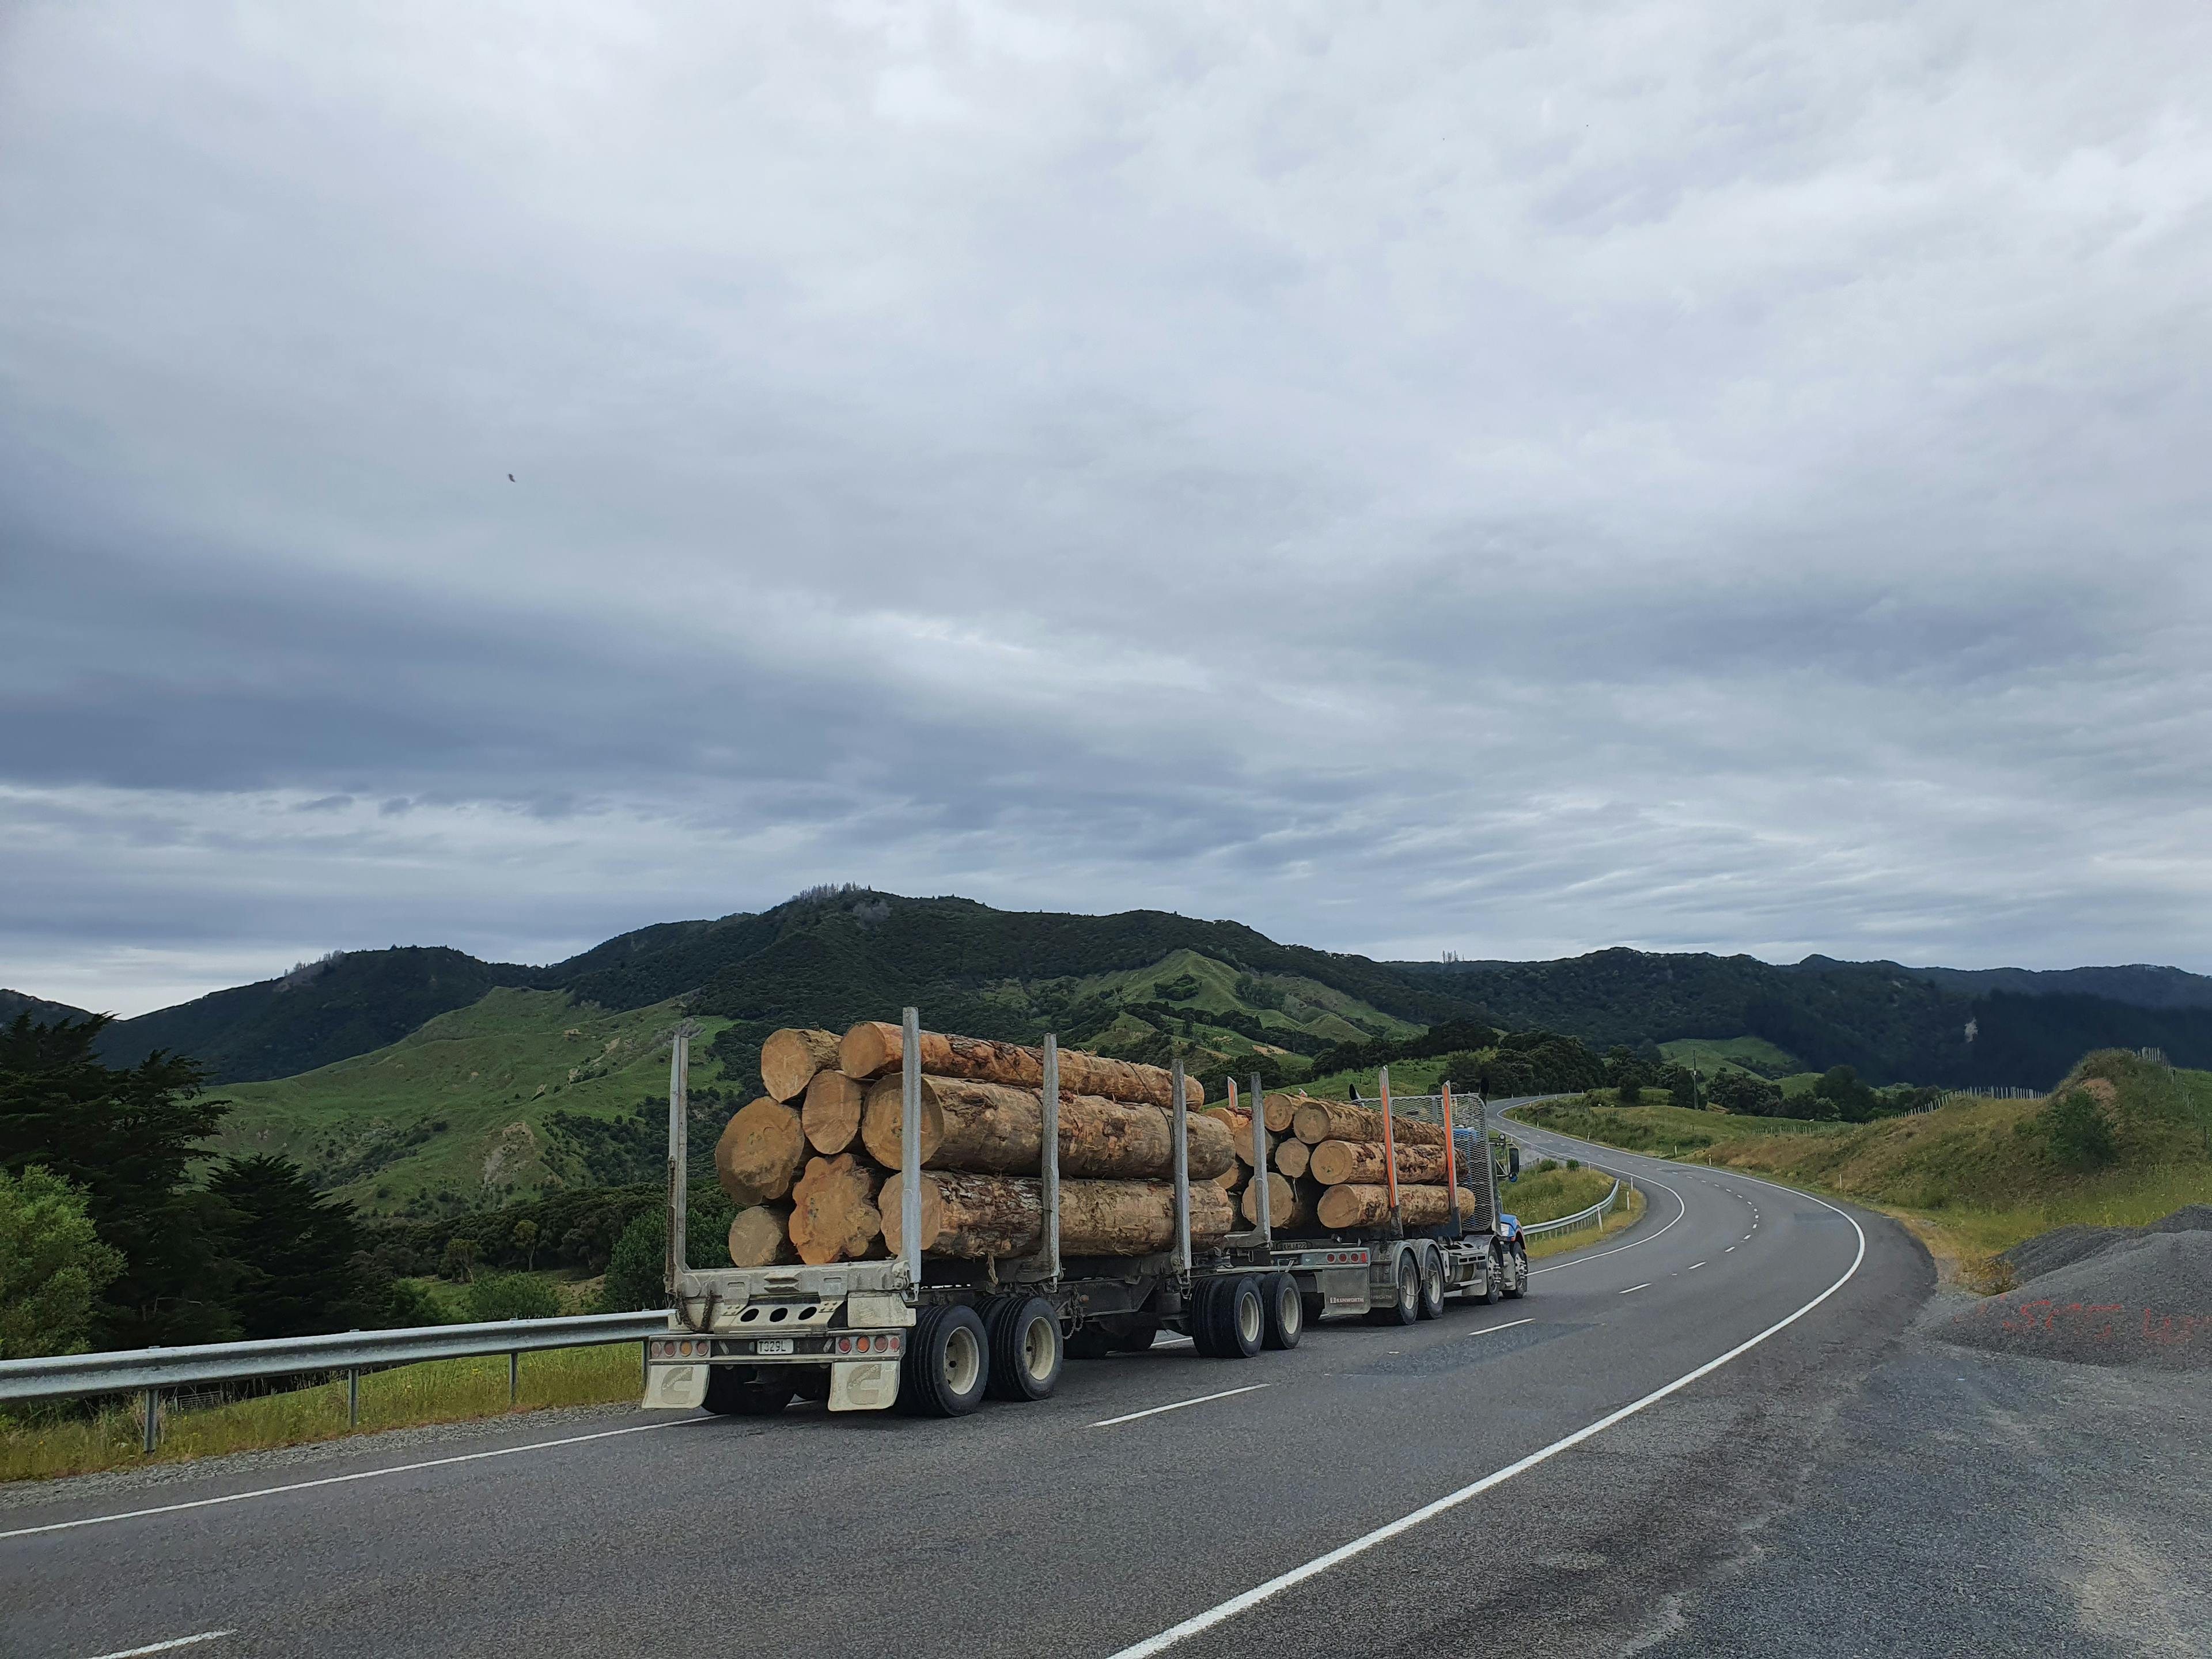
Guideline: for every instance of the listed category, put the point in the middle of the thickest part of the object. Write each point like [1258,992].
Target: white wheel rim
[1289,1311]
[963,1359]
[1040,1348]
[1249,1314]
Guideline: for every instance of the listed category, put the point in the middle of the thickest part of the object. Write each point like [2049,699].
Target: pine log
[790,1058]
[994,1128]
[1239,1125]
[832,1116]
[760,1236]
[834,1216]
[1231,1180]
[760,1152]
[1335,1162]
[874,1046]
[1290,1156]
[1317,1121]
[1289,1203]
[1281,1109]
[1354,1206]
[981,1215]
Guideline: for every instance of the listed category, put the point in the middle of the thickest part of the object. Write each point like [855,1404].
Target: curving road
[1549,1475]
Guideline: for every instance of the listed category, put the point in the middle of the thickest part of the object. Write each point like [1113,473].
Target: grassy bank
[441,1391]
[2123,1142]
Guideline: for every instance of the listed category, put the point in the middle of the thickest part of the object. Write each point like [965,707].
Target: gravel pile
[2134,1296]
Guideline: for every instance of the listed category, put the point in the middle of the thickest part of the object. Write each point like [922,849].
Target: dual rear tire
[1010,1348]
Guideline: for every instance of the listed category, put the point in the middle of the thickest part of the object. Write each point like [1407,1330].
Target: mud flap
[674,1388]
[864,1385]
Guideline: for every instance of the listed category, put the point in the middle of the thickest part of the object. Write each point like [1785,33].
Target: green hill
[521,1092]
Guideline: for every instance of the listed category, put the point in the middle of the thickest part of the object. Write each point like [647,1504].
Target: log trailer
[936,1337]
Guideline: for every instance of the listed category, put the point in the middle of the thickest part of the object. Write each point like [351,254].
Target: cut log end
[760,1152]
[832,1116]
[834,1216]
[760,1236]
[790,1058]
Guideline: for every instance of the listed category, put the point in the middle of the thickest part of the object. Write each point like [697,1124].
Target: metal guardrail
[1590,1218]
[149,1370]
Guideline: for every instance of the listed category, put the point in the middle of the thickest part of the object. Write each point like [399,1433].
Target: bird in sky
[510,478]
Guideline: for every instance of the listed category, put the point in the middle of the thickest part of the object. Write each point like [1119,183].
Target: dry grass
[439,1391]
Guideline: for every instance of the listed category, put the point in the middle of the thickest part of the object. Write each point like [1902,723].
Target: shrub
[2079,1134]
[512,1296]
[53,1266]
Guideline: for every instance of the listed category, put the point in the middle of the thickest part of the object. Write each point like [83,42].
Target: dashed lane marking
[1646,1286]
[164,1647]
[1176,1406]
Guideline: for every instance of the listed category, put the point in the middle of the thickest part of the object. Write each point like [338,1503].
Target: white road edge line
[163,1647]
[342,1480]
[1646,1286]
[1109,1422]
[1320,1563]
[1682,1210]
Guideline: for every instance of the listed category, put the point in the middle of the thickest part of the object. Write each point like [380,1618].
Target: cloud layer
[1722,477]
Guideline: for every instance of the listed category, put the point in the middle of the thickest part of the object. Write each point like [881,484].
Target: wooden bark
[983,1215]
[1317,1121]
[1335,1162]
[1354,1206]
[789,1059]
[1289,1203]
[994,1128]
[832,1116]
[834,1216]
[760,1152]
[1290,1156]
[874,1046]
[1281,1107]
[760,1236]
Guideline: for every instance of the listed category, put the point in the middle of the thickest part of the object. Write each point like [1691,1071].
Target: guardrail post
[153,1421]
[353,1399]
[514,1376]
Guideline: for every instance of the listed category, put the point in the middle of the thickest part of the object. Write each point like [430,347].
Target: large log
[1281,1107]
[994,1128]
[873,1046]
[1317,1121]
[1353,1205]
[832,1116]
[1289,1203]
[1335,1162]
[983,1215]
[834,1216]
[760,1152]
[1290,1156]
[790,1058]
[1239,1125]
[760,1236]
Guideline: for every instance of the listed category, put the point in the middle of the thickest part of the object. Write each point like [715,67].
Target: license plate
[773,1345]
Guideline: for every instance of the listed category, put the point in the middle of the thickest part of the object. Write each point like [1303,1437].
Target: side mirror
[1513,1163]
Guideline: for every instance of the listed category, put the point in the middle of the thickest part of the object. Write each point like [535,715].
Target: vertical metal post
[1390,1142]
[679,1196]
[353,1398]
[1262,1219]
[910,1144]
[1051,1163]
[1451,1160]
[514,1376]
[153,1440]
[1180,1128]
[644,1364]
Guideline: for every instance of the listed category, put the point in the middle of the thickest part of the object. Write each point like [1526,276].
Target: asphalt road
[1046,1528]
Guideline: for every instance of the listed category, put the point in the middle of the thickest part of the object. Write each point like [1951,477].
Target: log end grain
[760,1236]
[790,1058]
[832,1116]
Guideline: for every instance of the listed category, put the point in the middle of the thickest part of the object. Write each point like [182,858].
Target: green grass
[1307,1007]
[1547,1194]
[1668,1131]
[459,1109]
[1742,1054]
[1624,1214]
[441,1391]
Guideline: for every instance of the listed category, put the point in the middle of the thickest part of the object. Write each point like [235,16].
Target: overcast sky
[1478,478]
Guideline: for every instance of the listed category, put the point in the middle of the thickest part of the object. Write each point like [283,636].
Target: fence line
[1594,1216]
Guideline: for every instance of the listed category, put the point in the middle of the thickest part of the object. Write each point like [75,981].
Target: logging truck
[964,1287]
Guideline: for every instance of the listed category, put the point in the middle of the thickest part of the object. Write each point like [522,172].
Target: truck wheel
[1316,1304]
[731,1393]
[1493,1278]
[1134,1335]
[947,1364]
[1517,1284]
[1026,1351]
[1240,1317]
[1405,1307]
[1286,1311]
[1432,1283]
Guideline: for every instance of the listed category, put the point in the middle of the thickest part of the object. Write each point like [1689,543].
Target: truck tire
[1493,1278]
[1235,1316]
[1286,1311]
[947,1364]
[1432,1282]
[1405,1307]
[1517,1282]
[1316,1304]
[1026,1350]
[731,1393]
[1132,1334]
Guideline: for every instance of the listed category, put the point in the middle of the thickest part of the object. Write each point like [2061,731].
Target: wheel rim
[1289,1311]
[1250,1317]
[1409,1290]
[963,1359]
[1040,1349]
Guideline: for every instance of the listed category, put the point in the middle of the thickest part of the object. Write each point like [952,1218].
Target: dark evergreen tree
[296,1271]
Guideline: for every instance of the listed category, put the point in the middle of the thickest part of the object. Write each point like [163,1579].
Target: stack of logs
[813,1164]
[1329,1169]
